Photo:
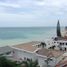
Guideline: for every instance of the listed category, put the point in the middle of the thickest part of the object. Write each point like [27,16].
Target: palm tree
[43,44]
[4,62]
[53,47]
[30,63]
[47,61]
[58,29]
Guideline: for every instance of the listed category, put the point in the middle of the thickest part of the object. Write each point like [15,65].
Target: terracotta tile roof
[63,62]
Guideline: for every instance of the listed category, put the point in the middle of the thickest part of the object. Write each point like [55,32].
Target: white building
[32,51]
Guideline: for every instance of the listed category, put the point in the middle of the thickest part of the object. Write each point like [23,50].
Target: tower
[58,29]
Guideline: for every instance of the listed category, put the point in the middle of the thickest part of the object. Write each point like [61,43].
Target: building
[60,41]
[63,62]
[6,50]
[31,50]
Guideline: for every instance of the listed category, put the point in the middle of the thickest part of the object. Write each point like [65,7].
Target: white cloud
[57,7]
[52,3]
[9,5]
[28,11]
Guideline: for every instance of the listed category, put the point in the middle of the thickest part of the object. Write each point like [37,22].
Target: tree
[30,63]
[7,63]
[4,62]
[58,29]
[53,47]
[43,44]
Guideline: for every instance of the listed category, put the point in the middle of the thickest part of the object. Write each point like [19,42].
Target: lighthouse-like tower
[58,29]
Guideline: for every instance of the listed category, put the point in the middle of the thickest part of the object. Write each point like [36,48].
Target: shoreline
[18,41]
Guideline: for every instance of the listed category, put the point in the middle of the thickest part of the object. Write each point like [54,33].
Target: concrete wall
[34,56]
[23,54]
[41,61]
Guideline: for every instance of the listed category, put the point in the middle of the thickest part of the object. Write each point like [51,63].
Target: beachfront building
[32,50]
[28,51]
[6,51]
[60,41]
[55,49]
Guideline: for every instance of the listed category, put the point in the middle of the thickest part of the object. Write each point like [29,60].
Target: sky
[29,13]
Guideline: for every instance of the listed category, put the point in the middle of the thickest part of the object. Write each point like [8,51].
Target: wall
[34,56]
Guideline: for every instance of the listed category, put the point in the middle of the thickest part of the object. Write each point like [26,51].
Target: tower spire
[58,29]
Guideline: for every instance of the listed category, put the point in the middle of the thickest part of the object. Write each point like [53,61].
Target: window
[66,43]
[60,43]
[63,43]
[54,42]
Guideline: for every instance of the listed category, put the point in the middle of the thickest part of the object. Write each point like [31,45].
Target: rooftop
[49,52]
[30,46]
[63,62]
[60,38]
[5,49]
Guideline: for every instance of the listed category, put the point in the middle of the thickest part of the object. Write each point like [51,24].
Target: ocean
[17,35]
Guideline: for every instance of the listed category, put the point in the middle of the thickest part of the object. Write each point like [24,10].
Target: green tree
[43,44]
[30,63]
[58,29]
[8,63]
[4,62]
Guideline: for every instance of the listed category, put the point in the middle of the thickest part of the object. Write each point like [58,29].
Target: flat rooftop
[30,46]
[49,52]
[60,38]
[5,49]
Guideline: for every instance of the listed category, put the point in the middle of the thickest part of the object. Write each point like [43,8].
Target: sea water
[17,35]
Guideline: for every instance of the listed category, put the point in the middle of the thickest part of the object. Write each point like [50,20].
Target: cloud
[29,11]
[55,3]
[34,5]
[56,7]
[9,5]
[16,6]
